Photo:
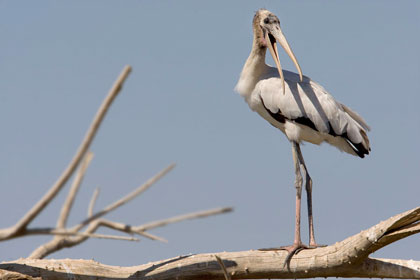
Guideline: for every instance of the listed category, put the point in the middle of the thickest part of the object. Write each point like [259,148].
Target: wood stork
[301,108]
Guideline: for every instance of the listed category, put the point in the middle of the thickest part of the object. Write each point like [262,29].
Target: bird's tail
[355,116]
[361,148]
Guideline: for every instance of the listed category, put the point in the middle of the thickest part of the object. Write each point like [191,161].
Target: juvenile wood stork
[301,108]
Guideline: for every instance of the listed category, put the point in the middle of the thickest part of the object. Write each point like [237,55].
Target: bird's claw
[292,250]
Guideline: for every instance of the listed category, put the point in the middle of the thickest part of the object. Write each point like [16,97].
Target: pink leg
[308,186]
[298,186]
[297,243]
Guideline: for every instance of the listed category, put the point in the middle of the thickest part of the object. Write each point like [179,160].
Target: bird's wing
[356,117]
[308,103]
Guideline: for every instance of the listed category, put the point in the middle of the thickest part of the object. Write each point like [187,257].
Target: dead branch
[21,225]
[92,202]
[69,237]
[176,219]
[103,109]
[65,210]
[61,241]
[348,258]
[66,241]
[222,265]
[64,232]
[128,197]
[129,229]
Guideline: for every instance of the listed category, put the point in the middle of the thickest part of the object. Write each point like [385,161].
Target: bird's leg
[297,243]
[298,186]
[308,186]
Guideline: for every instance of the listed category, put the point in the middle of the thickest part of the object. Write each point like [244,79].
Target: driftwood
[348,258]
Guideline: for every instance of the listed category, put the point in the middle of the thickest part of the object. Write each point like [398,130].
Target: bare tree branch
[92,202]
[68,203]
[243,265]
[68,237]
[141,229]
[103,109]
[59,242]
[129,229]
[200,214]
[152,236]
[128,197]
[41,204]
[66,233]
[348,258]
[222,265]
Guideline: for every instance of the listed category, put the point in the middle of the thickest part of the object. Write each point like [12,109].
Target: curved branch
[348,258]
[238,265]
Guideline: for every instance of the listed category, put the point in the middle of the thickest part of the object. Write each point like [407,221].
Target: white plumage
[308,100]
[301,108]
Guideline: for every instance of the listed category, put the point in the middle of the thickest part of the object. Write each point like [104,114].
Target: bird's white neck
[253,69]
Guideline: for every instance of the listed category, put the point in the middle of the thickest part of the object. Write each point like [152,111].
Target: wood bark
[348,258]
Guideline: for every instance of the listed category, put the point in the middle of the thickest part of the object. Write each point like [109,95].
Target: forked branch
[69,237]
[22,224]
[84,146]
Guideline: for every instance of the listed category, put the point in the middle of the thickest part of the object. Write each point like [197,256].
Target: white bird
[301,108]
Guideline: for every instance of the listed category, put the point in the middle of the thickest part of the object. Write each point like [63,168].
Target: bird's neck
[252,71]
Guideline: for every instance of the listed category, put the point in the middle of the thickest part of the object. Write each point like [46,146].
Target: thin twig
[92,202]
[129,229]
[152,236]
[55,245]
[94,223]
[222,265]
[106,236]
[60,242]
[62,232]
[200,214]
[68,203]
[128,197]
[41,204]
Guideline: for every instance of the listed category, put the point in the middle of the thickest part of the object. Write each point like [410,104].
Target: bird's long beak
[277,35]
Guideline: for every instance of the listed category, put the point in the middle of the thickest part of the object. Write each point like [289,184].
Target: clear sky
[59,58]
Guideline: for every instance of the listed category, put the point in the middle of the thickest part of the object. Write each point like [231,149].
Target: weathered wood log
[348,258]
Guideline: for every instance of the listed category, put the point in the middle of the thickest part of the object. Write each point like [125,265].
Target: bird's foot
[292,250]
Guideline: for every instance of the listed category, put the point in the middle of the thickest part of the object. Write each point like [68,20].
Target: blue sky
[59,58]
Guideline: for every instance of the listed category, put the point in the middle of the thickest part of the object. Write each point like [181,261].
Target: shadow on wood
[348,258]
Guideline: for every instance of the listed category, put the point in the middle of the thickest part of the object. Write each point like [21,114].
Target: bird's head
[267,32]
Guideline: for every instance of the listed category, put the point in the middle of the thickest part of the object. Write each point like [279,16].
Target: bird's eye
[266,20]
